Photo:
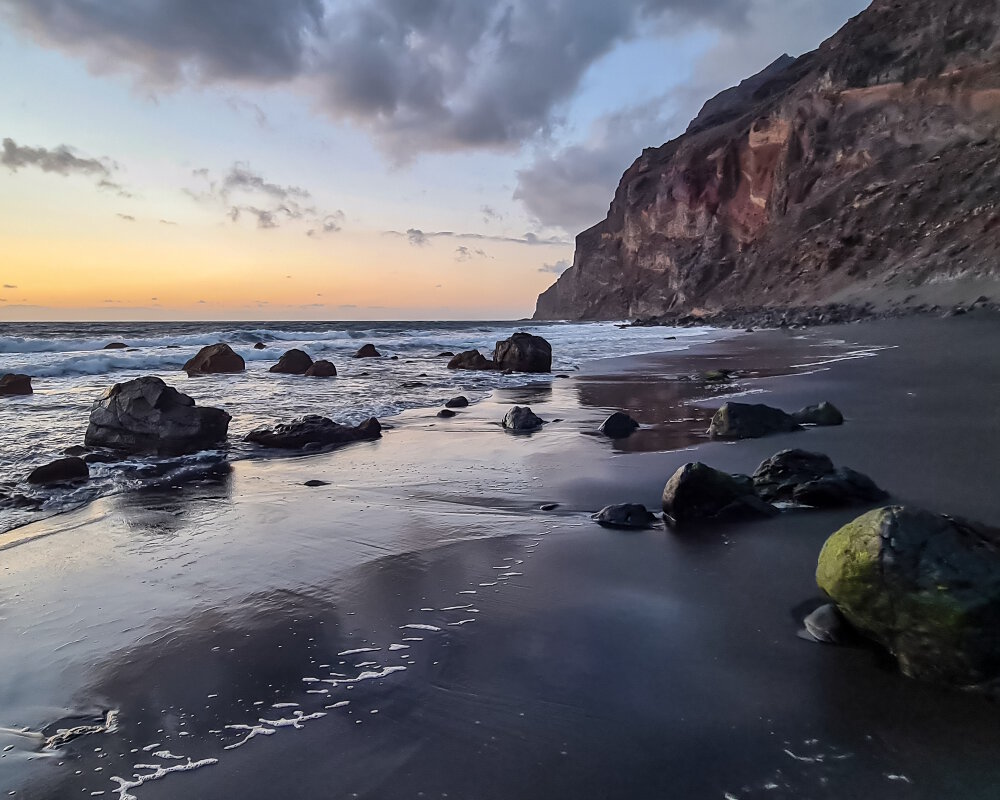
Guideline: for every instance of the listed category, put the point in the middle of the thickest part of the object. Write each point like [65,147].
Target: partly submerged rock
[750,421]
[293,362]
[446,354]
[925,586]
[826,624]
[260,346]
[368,351]
[619,425]
[522,418]
[15,384]
[144,415]
[811,479]
[446,413]
[630,516]
[461,401]
[523,352]
[315,483]
[823,414]
[314,430]
[698,492]
[61,470]
[115,346]
[215,358]
[321,369]
[471,359]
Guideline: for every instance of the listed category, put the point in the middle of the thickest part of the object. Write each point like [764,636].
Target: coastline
[641,663]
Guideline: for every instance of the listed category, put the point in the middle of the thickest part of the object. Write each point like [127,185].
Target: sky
[340,159]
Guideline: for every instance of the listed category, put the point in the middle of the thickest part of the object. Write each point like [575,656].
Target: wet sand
[487,649]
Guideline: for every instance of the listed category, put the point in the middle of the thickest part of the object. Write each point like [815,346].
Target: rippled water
[70,369]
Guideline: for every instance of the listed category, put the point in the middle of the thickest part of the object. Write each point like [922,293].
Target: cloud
[240,190]
[127,217]
[571,187]
[434,75]
[490,214]
[558,268]
[9,286]
[331,223]
[167,222]
[419,238]
[62,160]
[463,253]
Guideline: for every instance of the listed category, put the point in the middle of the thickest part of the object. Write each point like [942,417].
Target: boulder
[314,431]
[924,586]
[293,362]
[115,346]
[446,354]
[523,352]
[522,419]
[618,426]
[630,516]
[145,415]
[458,402]
[471,359]
[824,414]
[260,346]
[61,471]
[15,384]
[215,358]
[321,369]
[749,421]
[446,413]
[811,479]
[698,492]
[368,351]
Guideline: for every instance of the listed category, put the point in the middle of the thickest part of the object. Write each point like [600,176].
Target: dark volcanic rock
[629,516]
[811,179]
[823,414]
[315,483]
[926,587]
[697,492]
[826,624]
[446,413]
[746,421]
[61,471]
[145,415]
[293,362]
[523,352]
[316,431]
[471,359]
[321,369]
[461,401]
[368,351]
[522,419]
[446,354]
[811,479]
[215,358]
[15,384]
[115,346]
[260,346]
[618,426]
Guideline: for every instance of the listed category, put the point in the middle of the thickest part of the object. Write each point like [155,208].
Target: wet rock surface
[523,352]
[215,358]
[314,431]
[750,421]
[293,362]
[699,492]
[522,419]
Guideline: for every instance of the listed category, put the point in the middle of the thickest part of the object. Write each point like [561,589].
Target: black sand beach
[488,649]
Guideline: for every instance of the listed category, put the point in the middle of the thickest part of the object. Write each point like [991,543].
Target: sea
[70,369]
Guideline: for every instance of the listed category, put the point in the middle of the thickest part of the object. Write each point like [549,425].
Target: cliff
[873,161]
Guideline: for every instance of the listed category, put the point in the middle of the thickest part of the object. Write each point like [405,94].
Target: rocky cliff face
[871,162]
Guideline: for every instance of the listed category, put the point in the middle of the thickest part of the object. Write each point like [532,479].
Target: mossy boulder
[924,586]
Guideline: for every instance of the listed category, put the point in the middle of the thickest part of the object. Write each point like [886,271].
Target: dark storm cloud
[60,160]
[423,75]
[170,41]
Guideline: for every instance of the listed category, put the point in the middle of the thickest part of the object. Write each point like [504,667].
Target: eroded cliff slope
[872,161]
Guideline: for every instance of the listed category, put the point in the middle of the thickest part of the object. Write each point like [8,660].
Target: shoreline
[603,664]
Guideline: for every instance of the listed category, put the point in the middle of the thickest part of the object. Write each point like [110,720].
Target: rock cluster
[752,421]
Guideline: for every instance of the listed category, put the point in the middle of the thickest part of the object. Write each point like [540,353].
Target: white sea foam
[159,773]
[417,626]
